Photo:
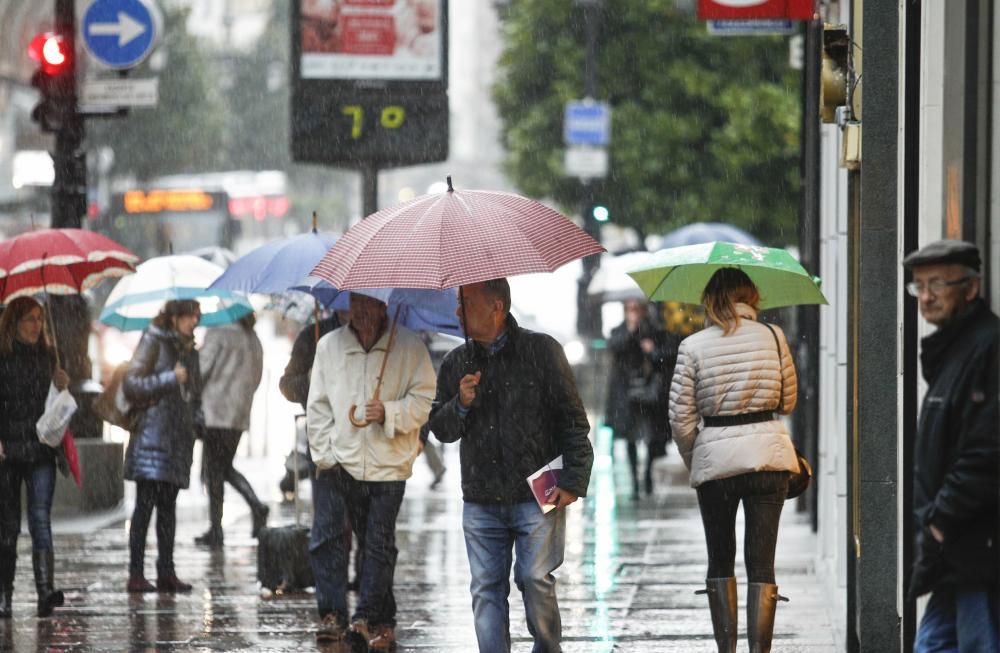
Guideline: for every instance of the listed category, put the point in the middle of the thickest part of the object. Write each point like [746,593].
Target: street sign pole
[68,206]
[588,316]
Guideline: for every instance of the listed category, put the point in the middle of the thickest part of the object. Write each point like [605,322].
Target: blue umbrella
[707,232]
[420,309]
[276,266]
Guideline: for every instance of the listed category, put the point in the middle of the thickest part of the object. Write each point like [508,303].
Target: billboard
[370,82]
[372,39]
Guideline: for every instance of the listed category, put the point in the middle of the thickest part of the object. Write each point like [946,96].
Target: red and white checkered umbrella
[451,239]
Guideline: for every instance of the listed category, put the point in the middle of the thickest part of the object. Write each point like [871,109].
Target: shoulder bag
[797,482]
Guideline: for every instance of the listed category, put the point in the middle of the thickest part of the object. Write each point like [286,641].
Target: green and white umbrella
[138,298]
[679,274]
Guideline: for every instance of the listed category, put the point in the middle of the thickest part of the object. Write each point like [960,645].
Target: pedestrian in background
[643,359]
[362,469]
[294,386]
[737,376]
[511,399]
[27,367]
[232,363]
[163,387]
[956,461]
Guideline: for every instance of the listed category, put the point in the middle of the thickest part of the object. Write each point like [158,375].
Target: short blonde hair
[726,288]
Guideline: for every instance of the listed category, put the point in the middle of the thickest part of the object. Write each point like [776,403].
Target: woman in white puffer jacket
[728,388]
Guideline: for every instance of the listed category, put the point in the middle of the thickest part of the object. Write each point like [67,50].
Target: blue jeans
[371,509]
[40,481]
[491,532]
[960,621]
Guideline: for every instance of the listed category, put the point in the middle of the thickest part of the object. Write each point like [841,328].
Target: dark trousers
[219,450]
[371,509]
[40,481]
[163,497]
[763,495]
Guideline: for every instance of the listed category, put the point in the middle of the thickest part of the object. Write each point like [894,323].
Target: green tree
[703,128]
[185,131]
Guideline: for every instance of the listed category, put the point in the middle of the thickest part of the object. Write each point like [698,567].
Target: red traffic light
[50,51]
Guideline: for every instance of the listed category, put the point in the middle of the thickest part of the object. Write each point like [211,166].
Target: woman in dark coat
[641,369]
[162,387]
[27,367]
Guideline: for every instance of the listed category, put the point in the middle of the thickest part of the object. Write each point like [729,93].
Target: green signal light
[601,213]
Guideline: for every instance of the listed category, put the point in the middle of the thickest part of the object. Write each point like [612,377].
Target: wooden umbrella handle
[361,423]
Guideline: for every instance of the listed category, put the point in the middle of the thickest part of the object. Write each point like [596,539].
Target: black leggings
[763,496]
[162,496]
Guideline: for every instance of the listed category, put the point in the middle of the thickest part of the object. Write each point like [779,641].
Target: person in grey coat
[162,386]
[232,362]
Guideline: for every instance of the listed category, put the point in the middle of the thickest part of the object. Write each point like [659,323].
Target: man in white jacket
[362,470]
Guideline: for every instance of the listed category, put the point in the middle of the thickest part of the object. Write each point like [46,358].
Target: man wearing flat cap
[956,463]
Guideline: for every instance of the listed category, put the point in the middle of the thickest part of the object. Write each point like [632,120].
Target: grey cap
[945,251]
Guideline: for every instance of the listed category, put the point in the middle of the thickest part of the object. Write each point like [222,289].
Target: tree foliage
[185,131]
[704,128]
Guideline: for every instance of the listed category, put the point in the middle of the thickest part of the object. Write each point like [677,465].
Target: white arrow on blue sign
[120,33]
[587,123]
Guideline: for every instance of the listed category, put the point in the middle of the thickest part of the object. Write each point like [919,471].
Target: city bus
[234,211]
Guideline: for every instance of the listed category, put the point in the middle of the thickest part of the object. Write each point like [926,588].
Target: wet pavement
[627,583]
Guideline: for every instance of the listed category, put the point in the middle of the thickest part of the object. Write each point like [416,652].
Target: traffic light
[600,213]
[54,80]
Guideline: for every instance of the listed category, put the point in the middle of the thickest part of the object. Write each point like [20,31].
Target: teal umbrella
[679,274]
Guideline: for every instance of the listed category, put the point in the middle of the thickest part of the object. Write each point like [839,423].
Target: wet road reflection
[627,583]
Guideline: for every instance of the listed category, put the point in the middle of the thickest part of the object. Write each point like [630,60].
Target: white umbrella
[611,281]
[138,298]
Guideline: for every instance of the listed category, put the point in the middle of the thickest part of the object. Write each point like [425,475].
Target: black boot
[722,605]
[258,510]
[48,598]
[212,538]
[762,598]
[8,560]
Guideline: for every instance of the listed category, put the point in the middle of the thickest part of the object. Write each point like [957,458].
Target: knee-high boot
[48,598]
[213,537]
[722,604]
[8,561]
[762,599]
[258,510]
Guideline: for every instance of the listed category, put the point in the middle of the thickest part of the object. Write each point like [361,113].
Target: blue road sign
[587,123]
[120,33]
[754,27]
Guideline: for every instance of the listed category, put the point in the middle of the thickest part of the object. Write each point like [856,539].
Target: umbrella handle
[361,423]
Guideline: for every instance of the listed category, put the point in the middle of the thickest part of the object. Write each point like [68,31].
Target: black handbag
[797,482]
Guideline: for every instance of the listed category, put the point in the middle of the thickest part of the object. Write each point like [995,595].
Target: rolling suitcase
[283,552]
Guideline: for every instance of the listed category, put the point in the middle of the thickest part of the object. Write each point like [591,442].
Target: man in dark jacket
[957,455]
[510,397]
[294,385]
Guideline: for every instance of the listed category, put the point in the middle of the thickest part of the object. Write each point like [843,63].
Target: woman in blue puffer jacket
[163,389]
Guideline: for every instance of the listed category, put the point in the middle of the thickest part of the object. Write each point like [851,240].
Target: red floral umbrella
[453,238]
[59,262]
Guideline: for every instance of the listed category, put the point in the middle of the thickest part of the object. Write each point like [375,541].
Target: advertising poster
[371,39]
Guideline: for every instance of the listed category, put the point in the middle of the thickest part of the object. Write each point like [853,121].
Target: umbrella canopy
[611,280]
[420,309]
[707,232]
[137,299]
[680,273]
[453,238]
[59,262]
[276,266]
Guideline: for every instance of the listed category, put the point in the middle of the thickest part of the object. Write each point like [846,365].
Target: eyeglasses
[915,288]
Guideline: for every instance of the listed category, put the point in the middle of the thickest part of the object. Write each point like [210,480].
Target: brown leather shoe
[359,635]
[331,630]
[383,638]
[139,585]
[172,584]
